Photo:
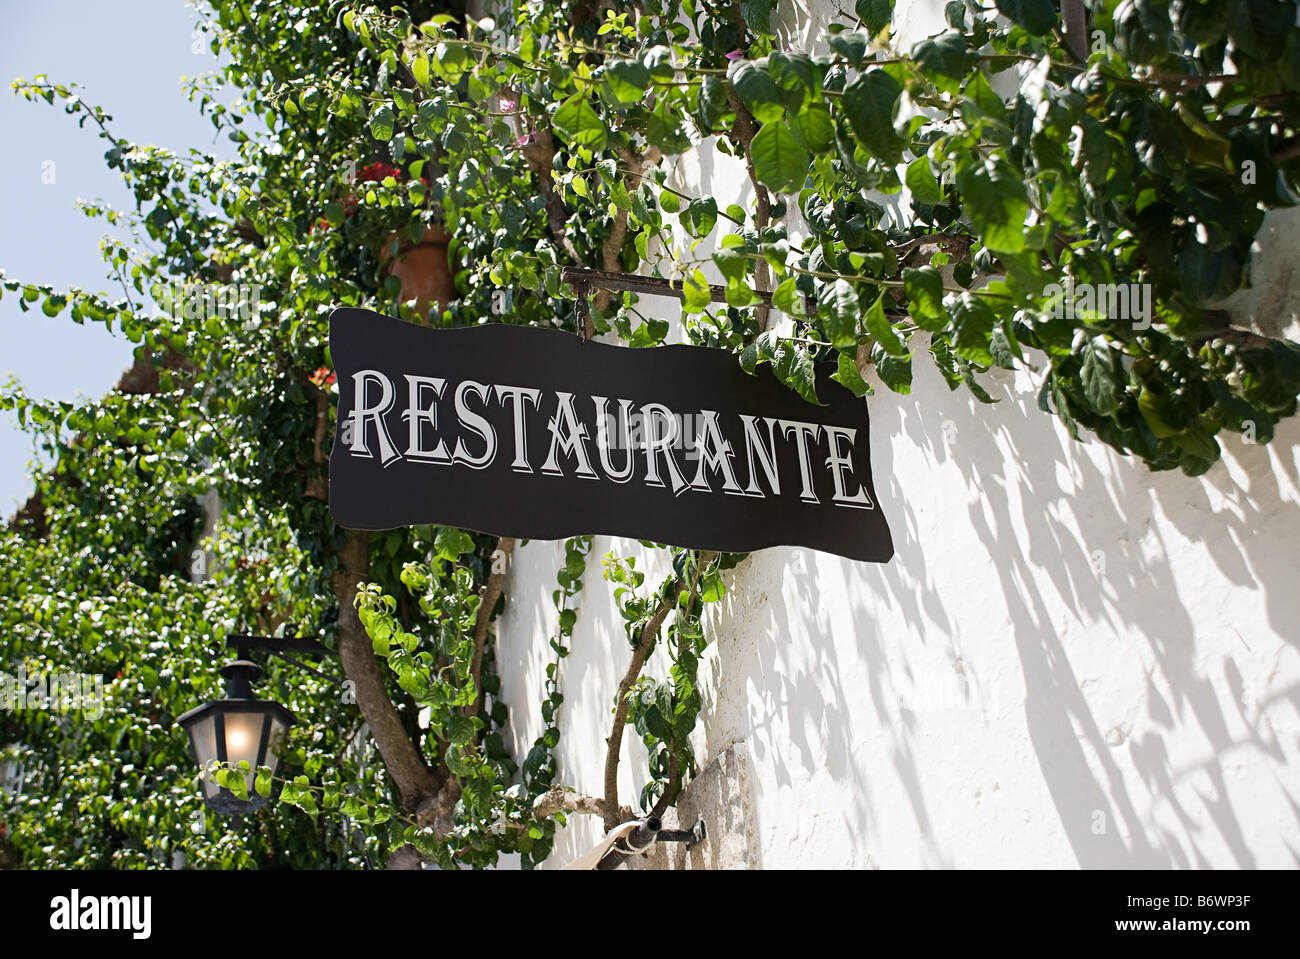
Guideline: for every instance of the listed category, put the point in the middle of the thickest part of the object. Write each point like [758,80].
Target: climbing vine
[540,764]
[1015,192]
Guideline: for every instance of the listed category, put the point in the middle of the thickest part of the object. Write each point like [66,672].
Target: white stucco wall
[1071,661]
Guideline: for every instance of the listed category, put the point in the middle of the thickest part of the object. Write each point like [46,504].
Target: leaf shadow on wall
[1058,534]
[1111,564]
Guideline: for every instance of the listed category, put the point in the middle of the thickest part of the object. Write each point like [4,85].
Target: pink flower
[506,105]
[735,54]
[524,140]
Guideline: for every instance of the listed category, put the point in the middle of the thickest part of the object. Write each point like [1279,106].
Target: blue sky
[129,59]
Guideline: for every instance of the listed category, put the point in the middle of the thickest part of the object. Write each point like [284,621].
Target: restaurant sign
[534,433]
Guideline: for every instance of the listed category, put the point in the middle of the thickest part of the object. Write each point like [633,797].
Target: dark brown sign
[532,433]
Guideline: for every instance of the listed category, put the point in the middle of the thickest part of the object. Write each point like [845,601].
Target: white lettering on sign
[638,442]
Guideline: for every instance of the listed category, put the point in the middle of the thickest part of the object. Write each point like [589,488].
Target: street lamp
[240,727]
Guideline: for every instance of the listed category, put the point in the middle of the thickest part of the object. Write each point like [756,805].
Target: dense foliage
[940,202]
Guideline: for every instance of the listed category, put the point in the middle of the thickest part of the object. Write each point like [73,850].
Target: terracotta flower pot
[423,268]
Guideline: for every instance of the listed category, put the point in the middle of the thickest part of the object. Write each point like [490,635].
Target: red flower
[322,224]
[323,377]
[378,170]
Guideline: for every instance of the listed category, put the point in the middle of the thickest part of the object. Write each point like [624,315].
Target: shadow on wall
[1110,553]
[1139,596]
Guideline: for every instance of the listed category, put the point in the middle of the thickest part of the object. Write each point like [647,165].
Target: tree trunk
[414,780]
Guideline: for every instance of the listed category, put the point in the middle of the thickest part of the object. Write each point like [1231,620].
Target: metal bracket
[692,837]
[279,647]
[580,287]
[302,645]
[582,278]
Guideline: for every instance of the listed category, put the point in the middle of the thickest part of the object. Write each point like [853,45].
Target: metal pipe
[637,841]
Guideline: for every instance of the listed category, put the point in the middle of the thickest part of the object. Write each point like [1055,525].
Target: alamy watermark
[76,912]
[203,301]
[56,692]
[635,430]
[1115,301]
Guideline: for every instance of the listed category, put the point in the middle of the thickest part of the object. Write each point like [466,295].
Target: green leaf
[972,326]
[420,70]
[1036,16]
[757,90]
[1001,351]
[921,182]
[627,80]
[1204,23]
[1152,407]
[712,588]
[655,724]
[847,375]
[842,309]
[798,78]
[794,367]
[874,14]
[381,122]
[460,730]
[579,124]
[700,216]
[236,783]
[981,93]
[924,288]
[815,129]
[757,14]
[944,56]
[780,162]
[1198,442]
[738,294]
[883,331]
[450,61]
[997,204]
[698,295]
[787,298]
[895,371]
[869,102]
[1103,377]
[456,762]
[730,262]
[851,45]
[452,543]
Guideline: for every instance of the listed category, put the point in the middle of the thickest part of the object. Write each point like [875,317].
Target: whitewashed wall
[1071,661]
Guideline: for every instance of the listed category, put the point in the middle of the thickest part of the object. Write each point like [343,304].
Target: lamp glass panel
[243,736]
[278,730]
[203,734]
